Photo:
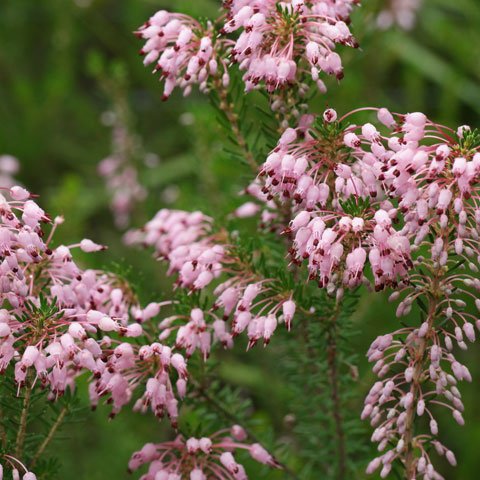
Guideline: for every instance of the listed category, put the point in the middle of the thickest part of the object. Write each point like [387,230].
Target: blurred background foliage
[68,66]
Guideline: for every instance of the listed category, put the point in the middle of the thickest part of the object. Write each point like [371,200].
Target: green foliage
[43,313]
[322,371]
[26,421]
[355,206]
[77,60]
[469,140]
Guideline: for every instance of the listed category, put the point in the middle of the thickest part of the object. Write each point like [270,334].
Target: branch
[335,394]
[227,108]
[50,434]
[230,416]
[22,429]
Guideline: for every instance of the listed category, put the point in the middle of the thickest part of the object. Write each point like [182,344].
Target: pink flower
[193,252]
[13,465]
[280,44]
[212,456]
[88,246]
[185,52]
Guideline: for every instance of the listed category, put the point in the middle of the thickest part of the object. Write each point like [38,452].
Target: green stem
[3,433]
[332,360]
[22,429]
[338,460]
[50,434]
[227,108]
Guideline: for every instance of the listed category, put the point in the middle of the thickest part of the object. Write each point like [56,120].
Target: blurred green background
[68,67]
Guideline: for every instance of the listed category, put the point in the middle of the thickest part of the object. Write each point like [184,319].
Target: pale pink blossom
[199,458]
[280,44]
[184,52]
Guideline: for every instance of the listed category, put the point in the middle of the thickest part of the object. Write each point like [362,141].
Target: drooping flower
[16,466]
[199,458]
[184,51]
[70,321]
[200,258]
[281,43]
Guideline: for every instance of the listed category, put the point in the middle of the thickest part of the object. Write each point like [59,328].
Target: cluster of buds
[199,458]
[198,257]
[185,52]
[417,376]
[417,367]
[282,43]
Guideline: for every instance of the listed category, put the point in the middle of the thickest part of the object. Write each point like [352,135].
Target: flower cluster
[58,325]
[185,241]
[282,42]
[60,321]
[185,52]
[337,246]
[148,367]
[199,458]
[424,377]
[386,195]
[312,166]
[342,217]
[436,184]
[181,238]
